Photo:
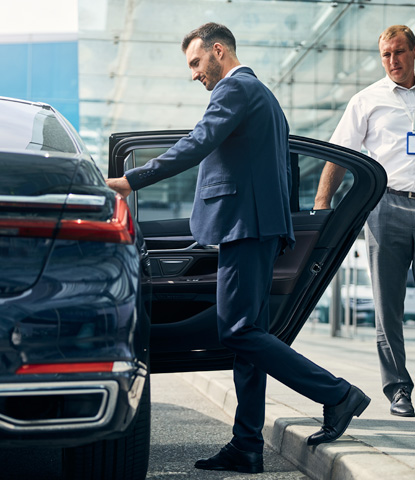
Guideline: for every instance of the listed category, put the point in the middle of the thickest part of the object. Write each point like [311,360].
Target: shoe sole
[236,468]
[409,414]
[251,469]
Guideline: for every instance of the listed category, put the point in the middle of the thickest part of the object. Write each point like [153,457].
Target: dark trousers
[244,283]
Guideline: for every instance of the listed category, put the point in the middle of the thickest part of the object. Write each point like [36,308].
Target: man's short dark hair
[210,33]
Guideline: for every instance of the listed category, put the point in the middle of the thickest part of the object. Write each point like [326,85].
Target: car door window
[168,199]
[310,169]
[172,198]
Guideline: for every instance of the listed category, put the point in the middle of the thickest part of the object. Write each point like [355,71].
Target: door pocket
[169,267]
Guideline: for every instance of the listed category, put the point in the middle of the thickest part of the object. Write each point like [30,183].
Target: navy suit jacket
[244,180]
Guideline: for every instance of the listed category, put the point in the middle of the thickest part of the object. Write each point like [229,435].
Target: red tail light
[119,229]
[65,368]
[27,228]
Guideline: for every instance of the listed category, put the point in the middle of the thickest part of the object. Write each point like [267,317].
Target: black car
[75,300]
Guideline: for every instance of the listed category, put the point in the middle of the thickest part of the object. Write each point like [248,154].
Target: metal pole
[347,299]
[335,313]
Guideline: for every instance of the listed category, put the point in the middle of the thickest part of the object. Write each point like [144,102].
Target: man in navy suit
[242,204]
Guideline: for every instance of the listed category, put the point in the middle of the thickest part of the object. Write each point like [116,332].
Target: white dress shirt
[378,118]
[233,70]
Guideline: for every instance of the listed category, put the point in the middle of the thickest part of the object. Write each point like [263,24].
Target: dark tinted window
[310,171]
[172,198]
[169,199]
[38,179]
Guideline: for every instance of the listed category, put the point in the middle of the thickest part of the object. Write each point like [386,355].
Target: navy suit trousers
[244,283]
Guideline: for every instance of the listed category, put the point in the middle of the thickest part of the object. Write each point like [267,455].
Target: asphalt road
[30,464]
[186,426]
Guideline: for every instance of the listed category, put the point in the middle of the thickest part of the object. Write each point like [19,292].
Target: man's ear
[218,50]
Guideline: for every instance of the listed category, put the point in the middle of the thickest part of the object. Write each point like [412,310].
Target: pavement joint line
[286,429]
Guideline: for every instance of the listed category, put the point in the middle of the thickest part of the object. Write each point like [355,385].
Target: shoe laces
[328,417]
[402,392]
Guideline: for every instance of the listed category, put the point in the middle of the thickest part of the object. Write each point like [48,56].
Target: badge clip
[410,143]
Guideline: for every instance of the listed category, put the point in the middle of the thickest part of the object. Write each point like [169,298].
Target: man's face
[398,60]
[204,65]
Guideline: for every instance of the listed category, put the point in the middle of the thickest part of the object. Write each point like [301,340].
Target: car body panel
[75,289]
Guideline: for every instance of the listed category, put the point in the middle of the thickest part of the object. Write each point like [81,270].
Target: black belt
[400,193]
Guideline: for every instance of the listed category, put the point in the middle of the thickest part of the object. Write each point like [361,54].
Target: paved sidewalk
[376,445]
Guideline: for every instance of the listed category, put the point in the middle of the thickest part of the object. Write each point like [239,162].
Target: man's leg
[239,298]
[250,385]
[389,235]
[233,285]
[244,452]
[244,281]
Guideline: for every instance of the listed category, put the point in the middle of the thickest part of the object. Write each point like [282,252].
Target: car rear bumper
[69,412]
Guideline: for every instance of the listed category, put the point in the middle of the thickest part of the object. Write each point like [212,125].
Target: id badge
[410,143]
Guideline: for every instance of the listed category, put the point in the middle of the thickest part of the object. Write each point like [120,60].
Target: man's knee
[229,337]
[225,338]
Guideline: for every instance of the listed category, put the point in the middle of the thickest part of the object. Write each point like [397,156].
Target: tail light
[86,367]
[118,229]
[118,366]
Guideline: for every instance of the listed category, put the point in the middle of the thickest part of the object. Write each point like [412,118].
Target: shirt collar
[232,70]
[392,85]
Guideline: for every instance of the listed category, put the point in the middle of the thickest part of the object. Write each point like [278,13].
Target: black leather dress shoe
[233,459]
[336,419]
[401,404]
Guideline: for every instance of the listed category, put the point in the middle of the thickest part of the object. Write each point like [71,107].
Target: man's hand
[120,185]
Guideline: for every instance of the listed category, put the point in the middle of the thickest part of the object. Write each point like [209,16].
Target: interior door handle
[193,246]
[176,250]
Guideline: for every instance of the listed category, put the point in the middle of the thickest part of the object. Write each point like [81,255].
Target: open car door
[183,331]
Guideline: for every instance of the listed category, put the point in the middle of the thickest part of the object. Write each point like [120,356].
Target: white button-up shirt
[378,118]
[234,70]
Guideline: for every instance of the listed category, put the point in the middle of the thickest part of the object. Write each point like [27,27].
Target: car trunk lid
[34,190]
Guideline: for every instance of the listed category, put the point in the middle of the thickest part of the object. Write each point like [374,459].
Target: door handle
[175,250]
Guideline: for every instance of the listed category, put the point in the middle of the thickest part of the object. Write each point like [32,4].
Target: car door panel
[184,332]
[199,264]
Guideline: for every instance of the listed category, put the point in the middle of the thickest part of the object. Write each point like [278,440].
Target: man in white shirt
[381,118]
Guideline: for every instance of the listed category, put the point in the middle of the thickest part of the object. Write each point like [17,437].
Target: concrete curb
[286,429]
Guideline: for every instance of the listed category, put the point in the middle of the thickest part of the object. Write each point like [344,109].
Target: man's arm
[330,180]
[351,133]
[226,109]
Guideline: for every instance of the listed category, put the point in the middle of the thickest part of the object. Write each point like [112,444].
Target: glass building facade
[314,55]
[42,68]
